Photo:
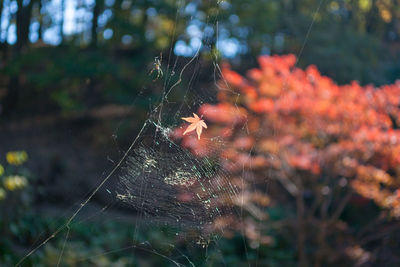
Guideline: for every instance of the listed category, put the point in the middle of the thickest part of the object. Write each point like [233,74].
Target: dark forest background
[73,55]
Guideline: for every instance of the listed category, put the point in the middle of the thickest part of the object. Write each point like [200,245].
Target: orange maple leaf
[196,123]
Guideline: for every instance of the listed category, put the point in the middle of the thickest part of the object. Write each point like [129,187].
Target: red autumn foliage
[301,129]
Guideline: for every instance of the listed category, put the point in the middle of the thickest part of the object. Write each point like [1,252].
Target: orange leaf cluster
[298,123]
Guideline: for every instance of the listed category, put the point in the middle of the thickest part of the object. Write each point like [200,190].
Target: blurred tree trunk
[3,43]
[301,232]
[98,6]
[1,11]
[24,14]
[40,20]
[23,20]
[374,21]
[62,21]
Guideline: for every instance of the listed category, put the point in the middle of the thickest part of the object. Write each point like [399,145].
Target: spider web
[165,181]
[161,182]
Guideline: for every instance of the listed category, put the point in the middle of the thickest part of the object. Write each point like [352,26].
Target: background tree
[296,139]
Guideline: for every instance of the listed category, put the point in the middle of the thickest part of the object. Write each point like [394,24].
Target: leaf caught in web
[196,123]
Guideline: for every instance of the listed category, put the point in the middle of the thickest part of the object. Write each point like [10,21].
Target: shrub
[15,199]
[293,138]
